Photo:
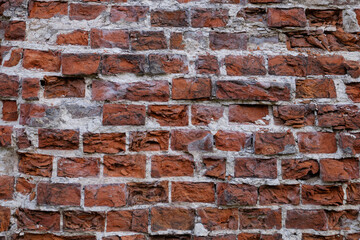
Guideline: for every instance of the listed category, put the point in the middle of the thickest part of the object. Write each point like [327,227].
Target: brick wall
[179,119]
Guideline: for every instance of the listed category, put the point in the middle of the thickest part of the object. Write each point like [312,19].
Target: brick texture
[179,119]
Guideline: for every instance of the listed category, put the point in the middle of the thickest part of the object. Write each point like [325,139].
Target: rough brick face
[112,195]
[179,119]
[104,142]
[58,139]
[58,194]
[172,166]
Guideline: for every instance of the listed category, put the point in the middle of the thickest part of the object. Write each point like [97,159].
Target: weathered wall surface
[180,119]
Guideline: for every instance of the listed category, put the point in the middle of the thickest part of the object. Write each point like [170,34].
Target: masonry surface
[179,119]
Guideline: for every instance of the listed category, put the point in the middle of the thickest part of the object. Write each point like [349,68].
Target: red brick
[34,236]
[353,193]
[191,88]
[292,17]
[77,37]
[4,219]
[265,1]
[167,63]
[353,236]
[169,115]
[193,192]
[125,166]
[308,236]
[236,194]
[115,64]
[148,40]
[35,164]
[339,116]
[78,167]
[169,19]
[232,41]
[306,219]
[56,139]
[249,236]
[339,169]
[191,140]
[172,166]
[128,220]
[255,168]
[279,194]
[149,141]
[209,17]
[171,237]
[9,111]
[6,188]
[48,61]
[245,65]
[15,30]
[38,220]
[5,136]
[204,115]
[22,139]
[231,140]
[121,114]
[111,195]
[214,167]
[338,40]
[30,88]
[357,12]
[326,17]
[104,142]
[352,67]
[85,11]
[147,193]
[267,143]
[288,65]
[350,142]
[322,195]
[263,218]
[219,219]
[30,113]
[227,1]
[64,87]
[218,237]
[299,169]
[128,13]
[15,57]
[163,218]
[252,90]
[80,64]
[104,38]
[315,88]
[25,187]
[248,114]
[295,115]
[326,65]
[251,14]
[63,194]
[157,91]
[341,220]
[353,91]
[317,142]
[47,9]
[176,41]
[83,221]
[207,64]
[9,85]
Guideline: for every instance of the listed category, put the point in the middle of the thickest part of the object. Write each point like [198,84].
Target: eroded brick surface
[179,119]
